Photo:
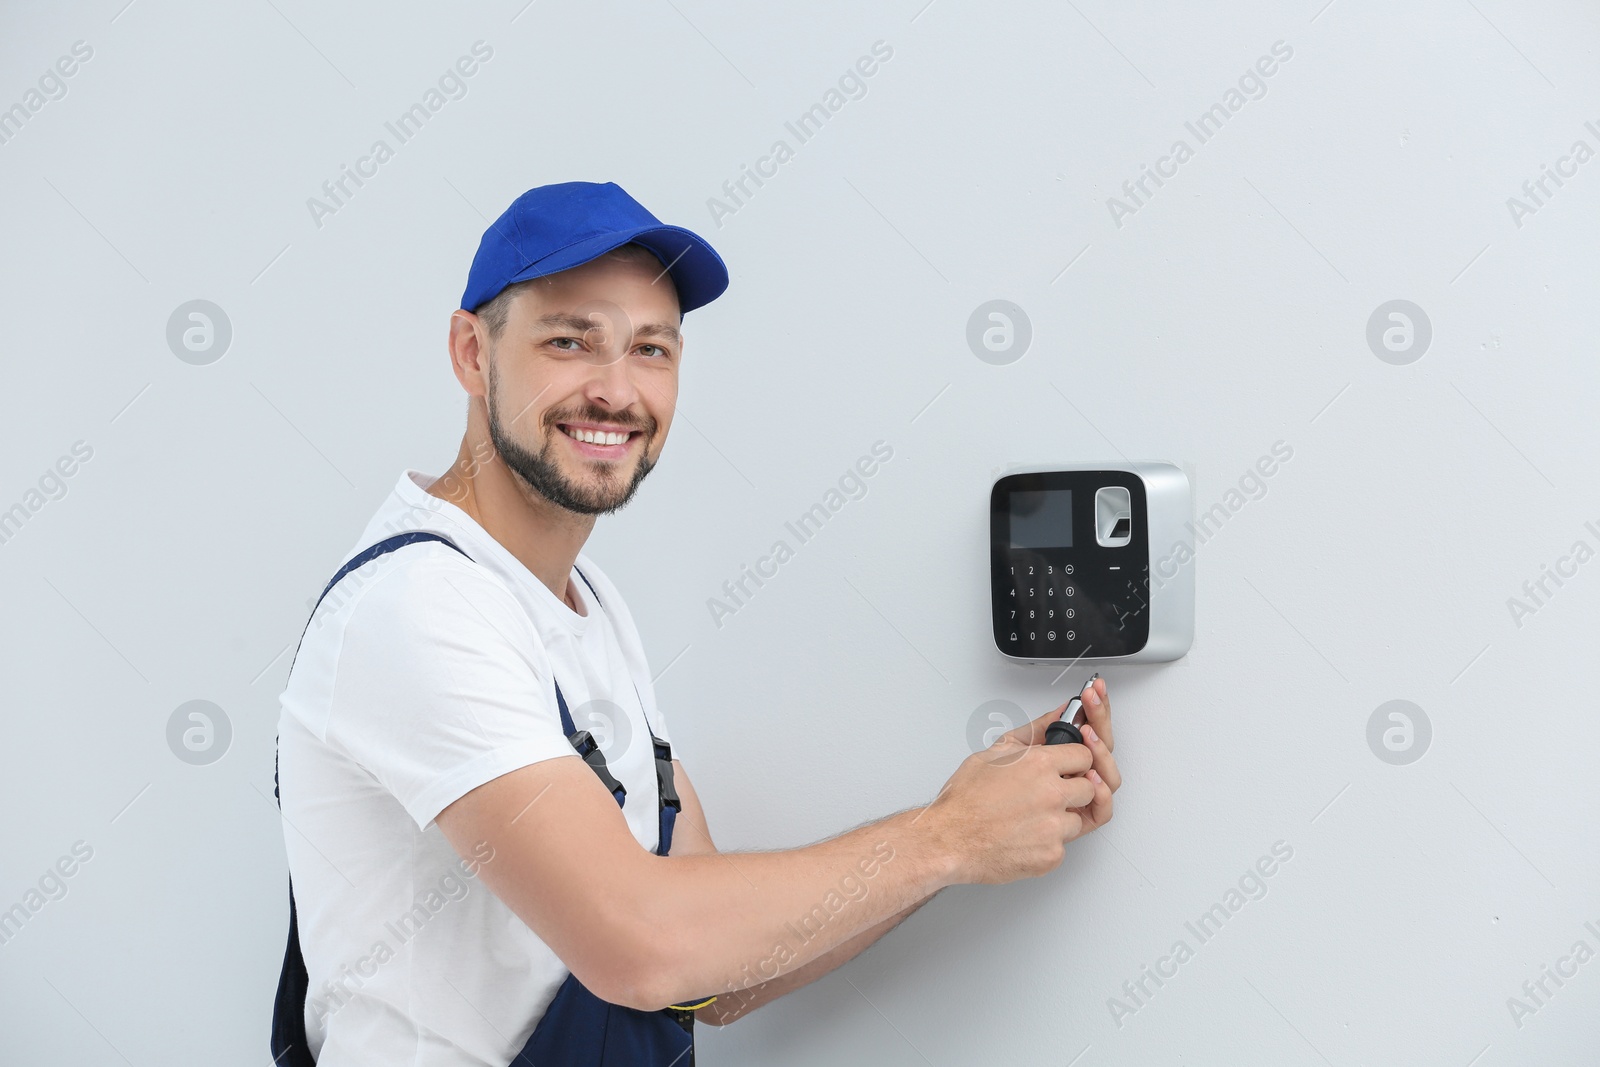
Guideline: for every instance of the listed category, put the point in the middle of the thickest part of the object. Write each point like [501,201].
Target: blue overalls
[578,1029]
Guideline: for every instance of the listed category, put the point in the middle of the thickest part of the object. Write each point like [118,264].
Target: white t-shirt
[423,675]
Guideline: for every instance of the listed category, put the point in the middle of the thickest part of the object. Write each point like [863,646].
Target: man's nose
[611,379]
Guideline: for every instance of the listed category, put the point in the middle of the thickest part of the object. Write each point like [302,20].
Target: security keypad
[1069,565]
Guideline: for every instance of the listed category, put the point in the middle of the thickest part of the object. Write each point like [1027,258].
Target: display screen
[1041,518]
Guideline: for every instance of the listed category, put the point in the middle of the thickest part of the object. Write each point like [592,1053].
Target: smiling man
[494,856]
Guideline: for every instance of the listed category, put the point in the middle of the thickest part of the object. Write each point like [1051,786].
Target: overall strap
[289,1045]
[383,548]
[589,749]
[361,559]
[666,792]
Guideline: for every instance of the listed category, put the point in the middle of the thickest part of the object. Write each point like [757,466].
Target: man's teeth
[596,437]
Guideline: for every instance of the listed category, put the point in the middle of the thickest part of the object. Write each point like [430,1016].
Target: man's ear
[469,347]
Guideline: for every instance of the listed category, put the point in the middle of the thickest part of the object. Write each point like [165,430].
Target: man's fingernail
[1088,731]
[1092,697]
[1094,776]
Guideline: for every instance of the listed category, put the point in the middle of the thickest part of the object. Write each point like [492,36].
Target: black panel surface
[1055,602]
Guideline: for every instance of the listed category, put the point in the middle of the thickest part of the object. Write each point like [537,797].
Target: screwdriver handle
[1063,731]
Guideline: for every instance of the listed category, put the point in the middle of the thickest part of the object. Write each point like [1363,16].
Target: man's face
[591,352]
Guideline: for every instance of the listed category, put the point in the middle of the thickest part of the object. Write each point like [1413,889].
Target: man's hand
[1010,810]
[1094,717]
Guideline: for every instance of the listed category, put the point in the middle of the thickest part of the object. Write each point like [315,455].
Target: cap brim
[697,272]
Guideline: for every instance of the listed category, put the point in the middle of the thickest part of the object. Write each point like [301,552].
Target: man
[478,880]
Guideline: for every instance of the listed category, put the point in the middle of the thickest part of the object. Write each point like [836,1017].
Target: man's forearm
[737,1003]
[779,912]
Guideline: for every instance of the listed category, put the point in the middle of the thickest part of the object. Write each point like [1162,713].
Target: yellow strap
[692,1007]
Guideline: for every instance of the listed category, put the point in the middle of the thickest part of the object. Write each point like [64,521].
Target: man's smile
[598,441]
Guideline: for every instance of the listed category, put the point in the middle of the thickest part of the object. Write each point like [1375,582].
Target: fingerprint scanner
[1113,516]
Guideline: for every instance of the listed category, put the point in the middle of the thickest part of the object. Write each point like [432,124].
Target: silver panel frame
[1169,500]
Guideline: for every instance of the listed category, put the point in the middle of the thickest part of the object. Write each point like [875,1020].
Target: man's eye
[557,342]
[659,351]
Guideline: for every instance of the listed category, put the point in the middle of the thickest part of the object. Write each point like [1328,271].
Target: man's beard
[543,474]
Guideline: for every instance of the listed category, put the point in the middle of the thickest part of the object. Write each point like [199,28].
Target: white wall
[1225,314]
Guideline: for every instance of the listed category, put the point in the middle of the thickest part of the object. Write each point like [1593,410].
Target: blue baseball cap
[556,227]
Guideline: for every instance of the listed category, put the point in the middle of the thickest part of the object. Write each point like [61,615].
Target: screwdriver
[1063,731]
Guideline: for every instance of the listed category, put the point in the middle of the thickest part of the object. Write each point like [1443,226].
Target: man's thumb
[1032,733]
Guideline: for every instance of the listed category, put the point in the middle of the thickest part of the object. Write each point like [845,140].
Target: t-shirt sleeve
[442,685]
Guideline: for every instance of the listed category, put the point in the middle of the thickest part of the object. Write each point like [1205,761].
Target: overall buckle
[669,792]
[589,749]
